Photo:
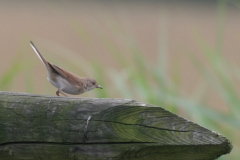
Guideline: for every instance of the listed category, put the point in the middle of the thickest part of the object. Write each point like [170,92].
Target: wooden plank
[44,127]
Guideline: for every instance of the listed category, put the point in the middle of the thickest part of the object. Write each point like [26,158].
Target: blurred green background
[180,55]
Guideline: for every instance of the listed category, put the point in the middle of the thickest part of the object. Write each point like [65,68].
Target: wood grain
[44,127]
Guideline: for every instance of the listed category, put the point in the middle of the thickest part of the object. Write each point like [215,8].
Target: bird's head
[92,83]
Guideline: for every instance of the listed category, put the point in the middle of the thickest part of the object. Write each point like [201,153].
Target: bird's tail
[45,62]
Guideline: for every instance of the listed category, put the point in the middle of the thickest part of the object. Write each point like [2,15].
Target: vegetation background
[180,55]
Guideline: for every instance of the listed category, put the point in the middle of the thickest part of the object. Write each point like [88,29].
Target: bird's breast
[66,86]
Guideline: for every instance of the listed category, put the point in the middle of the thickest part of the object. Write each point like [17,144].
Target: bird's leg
[63,94]
[57,93]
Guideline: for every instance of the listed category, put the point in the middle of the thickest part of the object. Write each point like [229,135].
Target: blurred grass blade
[29,79]
[9,76]
[119,80]
[221,76]
[100,76]
[163,42]
[221,21]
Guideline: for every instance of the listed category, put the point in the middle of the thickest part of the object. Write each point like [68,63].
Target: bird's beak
[98,86]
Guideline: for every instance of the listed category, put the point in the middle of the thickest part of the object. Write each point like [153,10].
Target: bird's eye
[93,83]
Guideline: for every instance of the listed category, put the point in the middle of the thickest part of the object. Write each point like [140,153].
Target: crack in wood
[147,126]
[85,138]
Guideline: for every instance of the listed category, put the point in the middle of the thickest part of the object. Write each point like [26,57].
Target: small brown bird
[65,81]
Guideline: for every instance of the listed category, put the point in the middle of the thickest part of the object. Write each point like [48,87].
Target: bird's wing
[72,78]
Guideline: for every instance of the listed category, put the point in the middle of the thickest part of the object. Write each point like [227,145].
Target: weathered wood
[44,127]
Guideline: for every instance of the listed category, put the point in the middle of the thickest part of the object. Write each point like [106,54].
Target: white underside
[63,85]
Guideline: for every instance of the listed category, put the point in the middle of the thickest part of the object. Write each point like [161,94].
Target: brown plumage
[66,81]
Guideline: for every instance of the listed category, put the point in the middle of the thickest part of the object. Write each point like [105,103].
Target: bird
[64,81]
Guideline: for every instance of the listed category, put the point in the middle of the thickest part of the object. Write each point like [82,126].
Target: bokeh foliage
[139,78]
